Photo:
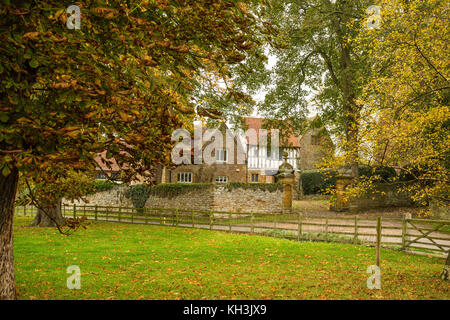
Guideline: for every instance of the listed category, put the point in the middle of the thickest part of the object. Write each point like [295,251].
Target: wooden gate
[433,235]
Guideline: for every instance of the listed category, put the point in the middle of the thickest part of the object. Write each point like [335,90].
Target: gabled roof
[257,124]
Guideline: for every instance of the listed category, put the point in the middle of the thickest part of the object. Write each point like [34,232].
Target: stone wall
[439,210]
[385,195]
[247,200]
[222,197]
[112,198]
[204,173]
[194,199]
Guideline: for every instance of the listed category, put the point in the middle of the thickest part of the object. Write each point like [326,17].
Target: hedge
[169,190]
[270,187]
[317,181]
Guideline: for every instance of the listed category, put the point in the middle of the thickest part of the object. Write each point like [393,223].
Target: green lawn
[124,261]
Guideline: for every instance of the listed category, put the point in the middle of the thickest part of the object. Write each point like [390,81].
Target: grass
[124,261]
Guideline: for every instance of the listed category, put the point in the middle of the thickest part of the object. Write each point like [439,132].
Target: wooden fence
[415,235]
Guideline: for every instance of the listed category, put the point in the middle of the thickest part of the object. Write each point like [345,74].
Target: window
[275,154]
[221,155]
[100,175]
[315,140]
[184,177]
[115,176]
[255,177]
[222,179]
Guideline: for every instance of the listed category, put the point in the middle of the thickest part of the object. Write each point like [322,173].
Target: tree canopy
[406,122]
[132,72]
[120,83]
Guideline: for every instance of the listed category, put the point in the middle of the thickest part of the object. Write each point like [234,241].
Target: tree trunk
[445,275]
[52,216]
[8,188]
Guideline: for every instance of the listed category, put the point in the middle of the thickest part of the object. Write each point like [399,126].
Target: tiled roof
[257,123]
[102,163]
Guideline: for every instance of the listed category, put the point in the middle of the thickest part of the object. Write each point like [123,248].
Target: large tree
[120,83]
[406,115]
[316,66]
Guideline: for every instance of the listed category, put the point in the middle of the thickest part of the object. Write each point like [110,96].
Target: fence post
[84,210]
[326,229]
[252,225]
[210,219]
[274,221]
[299,231]
[405,218]
[120,214]
[25,210]
[355,238]
[146,210]
[229,221]
[176,217]
[378,239]
[132,215]
[74,210]
[192,216]
[96,212]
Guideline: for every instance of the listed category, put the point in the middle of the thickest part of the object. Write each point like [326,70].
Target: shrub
[138,195]
[317,181]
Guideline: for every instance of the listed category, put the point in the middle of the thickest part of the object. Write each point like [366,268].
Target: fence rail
[414,235]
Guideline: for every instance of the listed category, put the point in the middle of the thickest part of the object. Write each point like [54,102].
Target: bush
[317,181]
[138,195]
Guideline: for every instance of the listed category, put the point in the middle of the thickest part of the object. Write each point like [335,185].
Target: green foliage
[317,181]
[169,190]
[322,57]
[270,187]
[138,195]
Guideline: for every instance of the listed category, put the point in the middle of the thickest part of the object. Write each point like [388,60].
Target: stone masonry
[220,198]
